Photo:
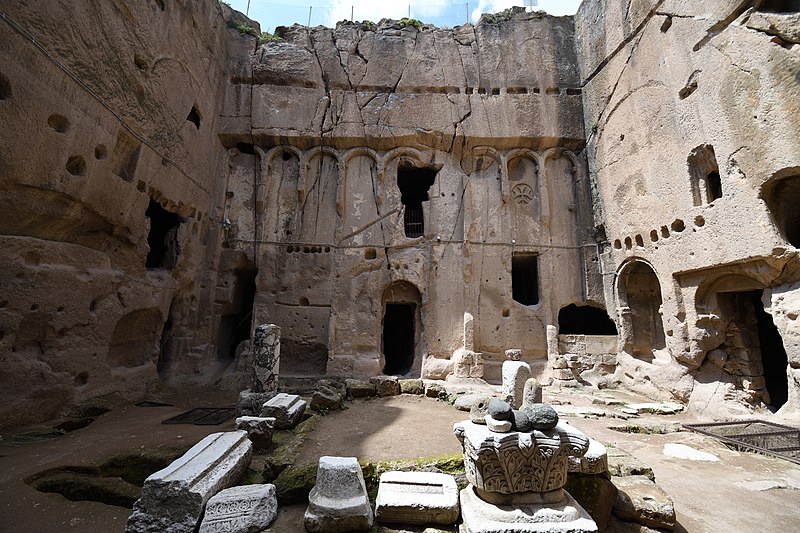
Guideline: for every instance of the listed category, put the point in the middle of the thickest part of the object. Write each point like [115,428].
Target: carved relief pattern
[522,193]
[512,465]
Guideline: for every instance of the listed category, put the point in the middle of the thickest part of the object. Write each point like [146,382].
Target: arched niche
[401,329]
[639,297]
[781,193]
[279,192]
[318,199]
[360,197]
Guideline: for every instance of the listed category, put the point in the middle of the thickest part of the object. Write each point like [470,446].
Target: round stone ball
[542,416]
[500,410]
[521,421]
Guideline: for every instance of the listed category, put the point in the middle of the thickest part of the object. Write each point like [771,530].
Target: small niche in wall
[5,87]
[781,193]
[126,155]
[525,278]
[780,6]
[162,238]
[194,116]
[704,175]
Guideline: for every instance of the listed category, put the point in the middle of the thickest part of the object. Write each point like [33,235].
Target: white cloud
[493,6]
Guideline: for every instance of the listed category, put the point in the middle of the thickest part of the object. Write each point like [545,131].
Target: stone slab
[287,409]
[338,502]
[386,385]
[483,517]
[245,509]
[640,500]
[173,498]
[417,498]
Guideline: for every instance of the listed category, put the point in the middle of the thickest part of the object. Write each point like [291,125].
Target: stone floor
[741,492]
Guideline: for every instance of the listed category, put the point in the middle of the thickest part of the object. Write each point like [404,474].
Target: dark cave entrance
[235,326]
[162,238]
[585,320]
[398,337]
[773,354]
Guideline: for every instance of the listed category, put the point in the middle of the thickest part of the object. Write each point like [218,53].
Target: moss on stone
[295,482]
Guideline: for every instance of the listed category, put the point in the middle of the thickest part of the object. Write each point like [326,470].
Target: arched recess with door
[401,327]
[639,308]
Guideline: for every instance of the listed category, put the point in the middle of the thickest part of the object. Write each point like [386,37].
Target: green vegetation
[244,29]
[268,37]
[406,22]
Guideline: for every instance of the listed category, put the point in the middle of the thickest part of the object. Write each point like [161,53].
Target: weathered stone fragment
[259,430]
[338,502]
[357,388]
[173,498]
[434,389]
[325,398]
[621,463]
[245,509]
[542,416]
[417,498]
[594,461]
[411,386]
[250,403]
[532,393]
[386,385]
[286,409]
[641,500]
[595,493]
[498,426]
[514,354]
[480,409]
[515,374]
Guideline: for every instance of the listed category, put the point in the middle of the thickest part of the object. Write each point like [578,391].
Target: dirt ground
[742,492]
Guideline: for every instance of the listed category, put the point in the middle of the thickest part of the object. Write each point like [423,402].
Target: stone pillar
[266,358]
[552,342]
[515,374]
[469,332]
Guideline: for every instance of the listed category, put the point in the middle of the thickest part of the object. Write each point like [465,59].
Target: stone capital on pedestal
[519,462]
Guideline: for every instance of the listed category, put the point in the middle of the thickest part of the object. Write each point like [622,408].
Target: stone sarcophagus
[519,462]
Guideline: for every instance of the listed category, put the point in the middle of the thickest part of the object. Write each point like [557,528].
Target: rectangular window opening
[414,184]
[525,278]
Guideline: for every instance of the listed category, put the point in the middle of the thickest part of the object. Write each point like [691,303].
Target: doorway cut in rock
[400,338]
[585,320]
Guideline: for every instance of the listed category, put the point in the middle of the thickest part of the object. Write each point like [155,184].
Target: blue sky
[272,13]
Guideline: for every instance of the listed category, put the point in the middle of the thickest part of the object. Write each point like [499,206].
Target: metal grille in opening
[756,435]
[414,222]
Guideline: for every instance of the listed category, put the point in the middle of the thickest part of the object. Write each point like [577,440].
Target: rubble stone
[357,388]
[325,398]
[259,430]
[386,385]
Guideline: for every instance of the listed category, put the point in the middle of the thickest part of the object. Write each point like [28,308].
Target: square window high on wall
[525,278]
